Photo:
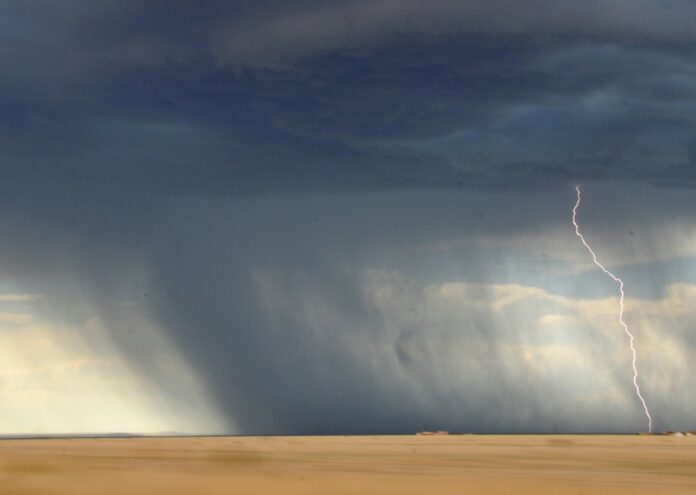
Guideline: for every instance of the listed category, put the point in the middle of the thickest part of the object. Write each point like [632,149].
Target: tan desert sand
[437,464]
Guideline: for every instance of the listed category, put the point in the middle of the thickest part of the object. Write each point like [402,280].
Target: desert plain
[448,464]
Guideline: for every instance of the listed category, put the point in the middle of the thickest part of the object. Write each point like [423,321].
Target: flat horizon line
[117,435]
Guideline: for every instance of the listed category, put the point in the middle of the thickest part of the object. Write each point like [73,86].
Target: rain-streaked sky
[345,216]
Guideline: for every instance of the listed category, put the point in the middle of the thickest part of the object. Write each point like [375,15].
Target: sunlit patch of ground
[454,464]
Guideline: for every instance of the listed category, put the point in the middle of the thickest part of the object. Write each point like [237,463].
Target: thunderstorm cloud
[345,216]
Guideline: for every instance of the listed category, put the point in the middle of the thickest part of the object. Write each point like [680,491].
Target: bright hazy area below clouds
[71,379]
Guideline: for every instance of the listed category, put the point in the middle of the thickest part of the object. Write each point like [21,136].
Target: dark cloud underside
[233,97]
[272,169]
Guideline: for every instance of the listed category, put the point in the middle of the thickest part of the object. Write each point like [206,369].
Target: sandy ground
[455,464]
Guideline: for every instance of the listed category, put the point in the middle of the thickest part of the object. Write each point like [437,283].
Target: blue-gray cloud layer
[231,96]
[234,150]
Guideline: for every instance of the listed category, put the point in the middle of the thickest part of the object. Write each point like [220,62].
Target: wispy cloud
[15,318]
[19,297]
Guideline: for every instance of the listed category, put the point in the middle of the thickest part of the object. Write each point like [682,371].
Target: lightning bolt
[621,306]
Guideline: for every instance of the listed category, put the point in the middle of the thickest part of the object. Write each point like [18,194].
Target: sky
[318,217]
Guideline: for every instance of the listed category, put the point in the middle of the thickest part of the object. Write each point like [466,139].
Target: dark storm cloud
[248,33]
[182,139]
[235,96]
